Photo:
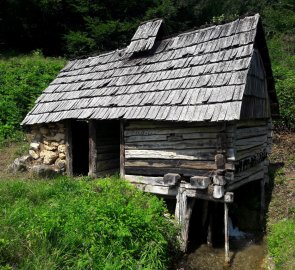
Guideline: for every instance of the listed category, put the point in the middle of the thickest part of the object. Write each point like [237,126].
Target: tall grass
[71,224]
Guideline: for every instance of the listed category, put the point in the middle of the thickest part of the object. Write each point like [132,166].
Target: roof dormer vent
[145,36]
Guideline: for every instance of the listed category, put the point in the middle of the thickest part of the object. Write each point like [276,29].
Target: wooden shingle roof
[195,76]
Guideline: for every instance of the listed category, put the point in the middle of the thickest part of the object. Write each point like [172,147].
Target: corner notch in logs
[171,179]
[220,163]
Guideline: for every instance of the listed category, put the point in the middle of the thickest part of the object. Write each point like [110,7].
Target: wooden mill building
[188,116]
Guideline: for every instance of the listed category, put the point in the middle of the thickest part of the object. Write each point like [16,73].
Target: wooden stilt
[209,230]
[226,236]
[262,202]
[183,214]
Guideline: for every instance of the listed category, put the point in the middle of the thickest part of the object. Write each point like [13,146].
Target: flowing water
[247,252]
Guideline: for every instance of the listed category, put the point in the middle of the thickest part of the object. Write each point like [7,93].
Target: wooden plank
[181,145]
[244,174]
[69,152]
[170,154]
[148,180]
[163,130]
[162,163]
[106,156]
[103,165]
[164,137]
[161,190]
[101,149]
[251,123]
[122,150]
[183,211]
[152,171]
[241,154]
[144,124]
[92,148]
[226,236]
[254,177]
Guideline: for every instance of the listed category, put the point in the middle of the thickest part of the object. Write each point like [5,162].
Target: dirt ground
[7,156]
[282,170]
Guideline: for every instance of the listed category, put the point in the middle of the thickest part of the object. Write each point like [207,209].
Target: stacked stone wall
[48,147]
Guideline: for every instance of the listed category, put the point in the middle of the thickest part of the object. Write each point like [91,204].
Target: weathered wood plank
[162,163]
[106,156]
[92,148]
[139,124]
[113,148]
[69,152]
[152,171]
[165,137]
[170,154]
[256,176]
[251,123]
[176,130]
[161,190]
[122,150]
[103,165]
[184,144]
[244,174]
[183,211]
[148,180]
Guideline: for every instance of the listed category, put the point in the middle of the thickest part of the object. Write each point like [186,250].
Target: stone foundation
[48,146]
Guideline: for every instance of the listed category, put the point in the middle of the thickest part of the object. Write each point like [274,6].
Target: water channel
[246,253]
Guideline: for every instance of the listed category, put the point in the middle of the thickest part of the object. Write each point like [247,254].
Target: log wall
[252,143]
[158,148]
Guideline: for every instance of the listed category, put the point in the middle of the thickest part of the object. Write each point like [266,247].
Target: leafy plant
[22,79]
[71,224]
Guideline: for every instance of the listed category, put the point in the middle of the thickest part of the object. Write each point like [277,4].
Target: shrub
[22,80]
[67,224]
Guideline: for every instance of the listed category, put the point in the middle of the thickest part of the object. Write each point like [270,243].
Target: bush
[281,244]
[68,224]
[22,80]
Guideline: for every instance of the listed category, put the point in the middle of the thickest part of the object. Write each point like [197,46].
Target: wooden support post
[122,150]
[183,214]
[92,149]
[226,236]
[69,152]
[210,225]
[262,202]
[207,221]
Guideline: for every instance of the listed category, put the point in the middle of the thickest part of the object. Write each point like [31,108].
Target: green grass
[82,224]
[281,244]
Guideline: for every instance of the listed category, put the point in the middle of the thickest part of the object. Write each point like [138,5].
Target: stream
[247,252]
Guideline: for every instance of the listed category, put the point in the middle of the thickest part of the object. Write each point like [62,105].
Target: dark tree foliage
[79,27]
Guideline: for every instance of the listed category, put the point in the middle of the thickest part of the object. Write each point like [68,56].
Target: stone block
[34,154]
[49,157]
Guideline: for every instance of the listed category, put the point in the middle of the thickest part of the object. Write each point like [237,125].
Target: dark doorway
[206,224]
[80,147]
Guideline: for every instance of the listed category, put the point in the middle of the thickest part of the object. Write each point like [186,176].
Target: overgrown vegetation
[22,80]
[281,211]
[80,224]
